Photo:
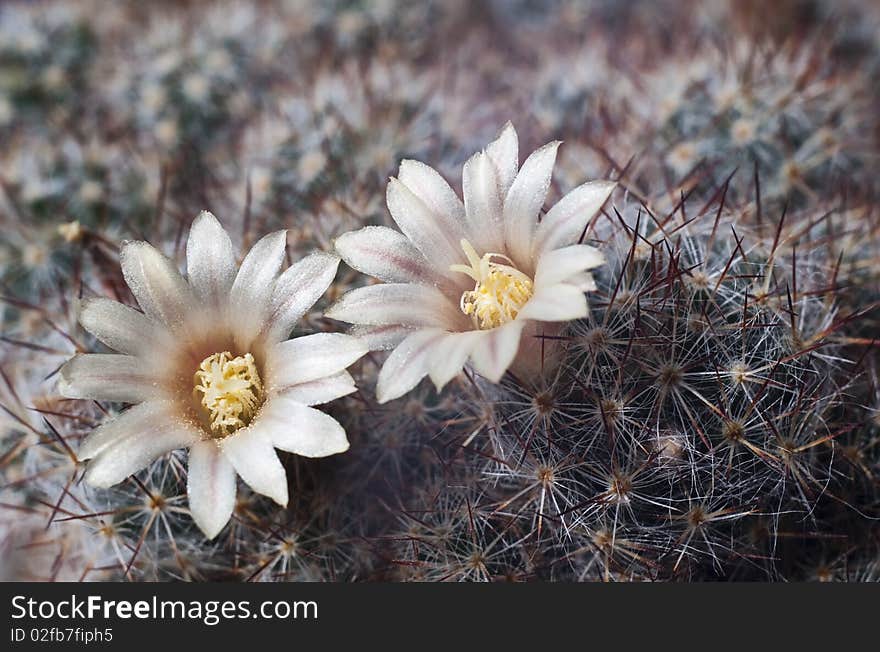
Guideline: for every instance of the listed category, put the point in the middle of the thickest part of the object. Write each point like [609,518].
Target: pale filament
[500,292]
[230,391]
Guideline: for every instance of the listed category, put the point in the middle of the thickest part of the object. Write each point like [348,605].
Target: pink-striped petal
[137,449]
[297,290]
[120,327]
[427,184]
[403,304]
[419,223]
[380,338]
[138,419]
[109,377]
[385,254]
[160,290]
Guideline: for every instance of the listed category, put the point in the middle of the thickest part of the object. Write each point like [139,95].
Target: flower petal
[524,201]
[299,429]
[504,153]
[419,223]
[448,356]
[251,453]
[120,327]
[583,281]
[139,419]
[308,358]
[253,286]
[109,377]
[561,302]
[210,486]
[380,338]
[322,390]
[404,304]
[428,185]
[406,365]
[137,449]
[559,265]
[482,202]
[210,260]
[494,352]
[385,254]
[297,290]
[160,290]
[565,222]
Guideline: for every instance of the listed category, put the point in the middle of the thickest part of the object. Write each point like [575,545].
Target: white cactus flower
[466,280]
[208,365]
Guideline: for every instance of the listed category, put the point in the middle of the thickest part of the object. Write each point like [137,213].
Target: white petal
[565,222]
[109,377]
[299,429]
[251,453]
[406,365]
[504,153]
[138,420]
[561,302]
[525,200]
[427,184]
[120,327]
[559,265]
[137,449]
[419,223]
[448,356]
[308,358]
[160,290]
[210,260]
[583,281]
[494,352]
[380,338]
[322,390]
[482,202]
[397,303]
[253,286]
[210,486]
[385,254]
[297,290]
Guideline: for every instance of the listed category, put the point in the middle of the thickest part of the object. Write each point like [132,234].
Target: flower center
[230,390]
[500,292]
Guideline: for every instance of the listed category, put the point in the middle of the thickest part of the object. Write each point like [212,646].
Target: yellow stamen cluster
[230,390]
[500,291]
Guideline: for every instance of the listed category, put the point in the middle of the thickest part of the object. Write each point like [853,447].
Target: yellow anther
[230,390]
[500,292]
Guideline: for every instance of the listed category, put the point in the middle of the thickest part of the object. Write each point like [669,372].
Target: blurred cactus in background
[717,415]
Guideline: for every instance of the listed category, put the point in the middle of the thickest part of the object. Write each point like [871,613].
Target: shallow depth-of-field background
[716,417]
